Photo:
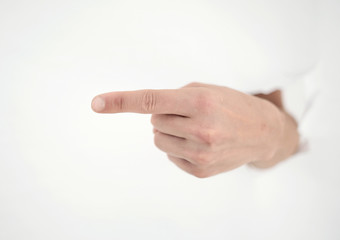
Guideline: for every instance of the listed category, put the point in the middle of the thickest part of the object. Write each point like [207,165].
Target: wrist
[283,142]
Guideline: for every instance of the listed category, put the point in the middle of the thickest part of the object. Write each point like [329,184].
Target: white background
[68,173]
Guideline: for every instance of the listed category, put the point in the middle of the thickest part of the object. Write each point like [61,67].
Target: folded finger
[173,145]
[171,124]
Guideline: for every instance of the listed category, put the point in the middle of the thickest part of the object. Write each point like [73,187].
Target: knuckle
[154,119]
[171,158]
[205,101]
[202,158]
[148,103]
[193,84]
[157,141]
[199,173]
[118,103]
[207,135]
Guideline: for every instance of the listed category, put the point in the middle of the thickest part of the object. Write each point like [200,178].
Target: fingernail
[98,104]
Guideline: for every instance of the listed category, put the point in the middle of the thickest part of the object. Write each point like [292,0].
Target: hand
[207,129]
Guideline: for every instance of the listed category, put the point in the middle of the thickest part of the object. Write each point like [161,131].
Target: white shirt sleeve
[298,99]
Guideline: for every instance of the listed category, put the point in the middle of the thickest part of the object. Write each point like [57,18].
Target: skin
[207,129]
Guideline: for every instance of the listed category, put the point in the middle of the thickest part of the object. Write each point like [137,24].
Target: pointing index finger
[168,101]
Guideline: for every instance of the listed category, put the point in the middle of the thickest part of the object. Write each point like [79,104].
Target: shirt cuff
[299,97]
